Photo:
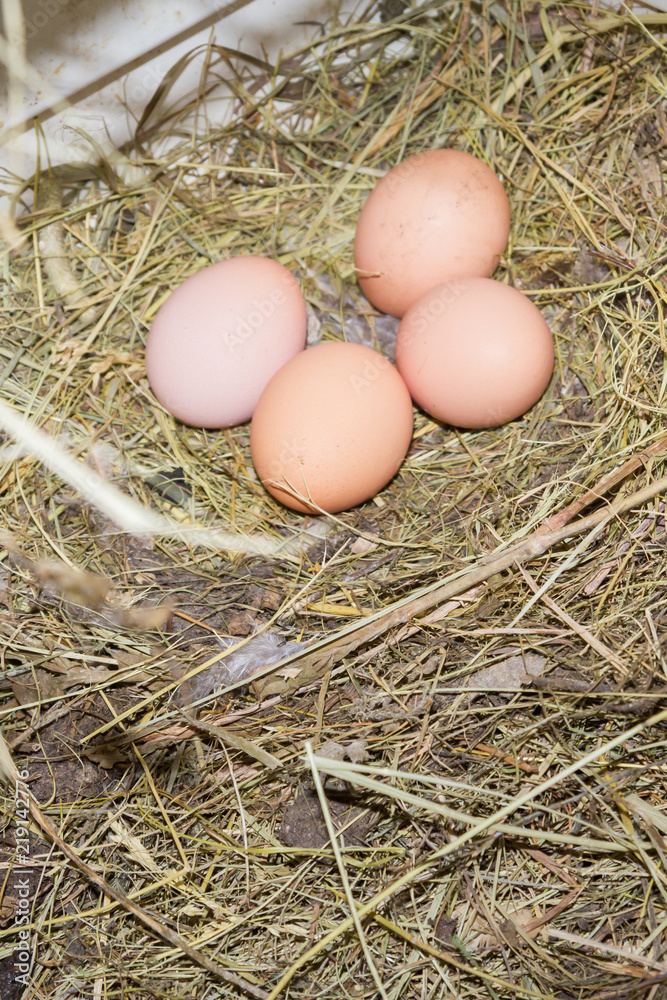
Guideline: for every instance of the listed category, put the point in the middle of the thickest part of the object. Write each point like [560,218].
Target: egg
[220,336]
[331,428]
[439,215]
[474,352]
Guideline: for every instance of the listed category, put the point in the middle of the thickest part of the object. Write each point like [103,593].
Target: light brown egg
[474,352]
[219,338]
[438,215]
[331,428]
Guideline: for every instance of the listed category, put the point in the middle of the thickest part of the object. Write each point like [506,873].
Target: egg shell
[475,352]
[439,215]
[220,336]
[331,428]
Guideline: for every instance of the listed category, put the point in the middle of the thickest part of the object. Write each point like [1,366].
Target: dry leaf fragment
[233,740]
[87,675]
[111,358]
[107,756]
[145,619]
[121,835]
[507,758]
[508,674]
[332,750]
[11,235]
[39,685]
[304,825]
[76,585]
[288,672]
[357,752]
[484,938]
[9,541]
[600,576]
[360,546]
[242,772]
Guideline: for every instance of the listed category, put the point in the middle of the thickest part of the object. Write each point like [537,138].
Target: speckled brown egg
[475,352]
[331,428]
[439,215]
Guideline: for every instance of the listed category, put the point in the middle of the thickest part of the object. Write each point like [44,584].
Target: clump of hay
[478,652]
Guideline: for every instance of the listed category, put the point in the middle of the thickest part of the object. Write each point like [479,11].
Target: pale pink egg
[219,338]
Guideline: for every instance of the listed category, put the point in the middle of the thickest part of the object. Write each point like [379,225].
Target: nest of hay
[415,750]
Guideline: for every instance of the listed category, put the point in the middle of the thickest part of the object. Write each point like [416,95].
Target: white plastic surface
[108,58]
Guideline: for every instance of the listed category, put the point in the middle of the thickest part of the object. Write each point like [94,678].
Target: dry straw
[484,675]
